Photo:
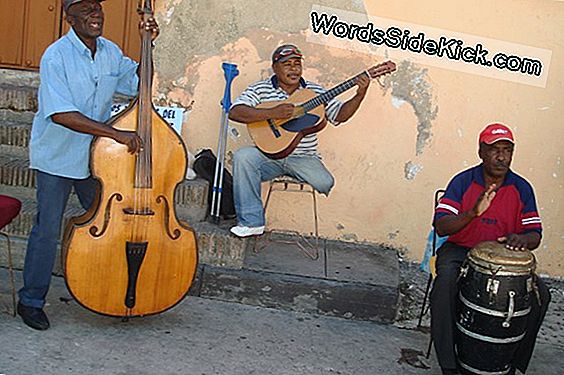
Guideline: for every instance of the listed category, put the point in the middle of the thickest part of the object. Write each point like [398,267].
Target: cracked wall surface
[407,139]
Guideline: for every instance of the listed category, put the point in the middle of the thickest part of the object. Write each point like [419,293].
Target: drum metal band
[501,314]
[480,372]
[493,340]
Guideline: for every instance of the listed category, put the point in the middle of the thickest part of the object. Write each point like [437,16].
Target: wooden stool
[9,209]
[290,184]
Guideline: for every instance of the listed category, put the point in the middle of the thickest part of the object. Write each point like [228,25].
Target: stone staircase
[18,103]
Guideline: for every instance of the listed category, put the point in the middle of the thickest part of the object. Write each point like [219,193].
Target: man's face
[497,157]
[288,72]
[86,18]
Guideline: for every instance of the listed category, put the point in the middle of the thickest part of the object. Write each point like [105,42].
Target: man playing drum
[487,202]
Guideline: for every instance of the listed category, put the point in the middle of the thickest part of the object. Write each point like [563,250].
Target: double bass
[129,255]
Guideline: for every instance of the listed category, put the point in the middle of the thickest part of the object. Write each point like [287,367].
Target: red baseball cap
[496,132]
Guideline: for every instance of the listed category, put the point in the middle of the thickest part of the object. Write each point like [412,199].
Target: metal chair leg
[304,245]
[11,271]
[429,347]
[258,246]
[423,311]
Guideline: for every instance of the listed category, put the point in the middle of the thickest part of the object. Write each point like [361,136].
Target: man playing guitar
[251,166]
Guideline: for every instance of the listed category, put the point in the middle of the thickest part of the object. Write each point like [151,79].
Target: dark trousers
[52,195]
[443,310]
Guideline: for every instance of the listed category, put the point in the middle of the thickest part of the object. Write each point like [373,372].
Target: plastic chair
[425,307]
[290,184]
[9,209]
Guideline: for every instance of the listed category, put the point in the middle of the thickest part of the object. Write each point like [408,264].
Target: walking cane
[230,72]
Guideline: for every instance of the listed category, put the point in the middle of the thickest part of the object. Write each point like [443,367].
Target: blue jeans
[251,167]
[52,197]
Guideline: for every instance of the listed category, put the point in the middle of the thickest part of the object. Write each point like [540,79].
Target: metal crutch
[230,72]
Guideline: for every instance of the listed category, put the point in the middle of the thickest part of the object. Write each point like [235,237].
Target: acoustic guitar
[277,138]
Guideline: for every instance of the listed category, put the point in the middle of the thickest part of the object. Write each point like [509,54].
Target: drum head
[491,255]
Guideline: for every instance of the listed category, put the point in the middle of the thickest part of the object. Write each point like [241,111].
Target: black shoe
[33,317]
[448,371]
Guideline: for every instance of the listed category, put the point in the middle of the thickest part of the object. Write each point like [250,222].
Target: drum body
[495,302]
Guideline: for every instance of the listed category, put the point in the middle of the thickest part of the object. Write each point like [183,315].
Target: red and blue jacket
[513,209]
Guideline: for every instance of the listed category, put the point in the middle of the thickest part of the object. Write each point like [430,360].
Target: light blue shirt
[73,81]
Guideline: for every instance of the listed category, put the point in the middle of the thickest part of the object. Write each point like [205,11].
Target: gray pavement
[205,336]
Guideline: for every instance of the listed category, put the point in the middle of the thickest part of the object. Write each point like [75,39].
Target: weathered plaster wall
[407,139]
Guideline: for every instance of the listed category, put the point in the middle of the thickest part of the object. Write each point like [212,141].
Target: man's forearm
[82,124]
[247,114]
[451,224]
[349,108]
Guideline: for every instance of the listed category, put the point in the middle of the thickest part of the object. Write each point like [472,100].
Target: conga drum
[495,301]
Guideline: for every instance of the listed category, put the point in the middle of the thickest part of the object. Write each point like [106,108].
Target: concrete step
[216,247]
[18,98]
[16,77]
[191,195]
[22,96]
[8,115]
[353,281]
[14,137]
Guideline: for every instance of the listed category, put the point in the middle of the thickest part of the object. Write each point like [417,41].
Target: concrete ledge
[18,98]
[190,198]
[299,293]
[296,284]
[218,247]
[353,281]
[215,246]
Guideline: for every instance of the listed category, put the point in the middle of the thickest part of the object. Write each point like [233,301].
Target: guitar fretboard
[330,94]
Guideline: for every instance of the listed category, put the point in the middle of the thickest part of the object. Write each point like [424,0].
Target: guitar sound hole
[306,121]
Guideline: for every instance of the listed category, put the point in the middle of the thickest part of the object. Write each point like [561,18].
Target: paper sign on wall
[172,115]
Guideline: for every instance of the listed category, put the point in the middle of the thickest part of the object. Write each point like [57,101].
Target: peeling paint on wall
[186,38]
[411,170]
[410,83]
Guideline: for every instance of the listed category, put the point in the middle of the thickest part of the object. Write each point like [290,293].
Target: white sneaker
[242,231]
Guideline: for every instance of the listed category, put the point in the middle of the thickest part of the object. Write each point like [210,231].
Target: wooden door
[11,31]
[43,27]
[28,27]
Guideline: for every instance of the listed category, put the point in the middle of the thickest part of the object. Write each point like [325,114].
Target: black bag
[204,166]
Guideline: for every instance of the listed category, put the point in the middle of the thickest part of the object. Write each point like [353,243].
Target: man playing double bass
[488,202]
[80,73]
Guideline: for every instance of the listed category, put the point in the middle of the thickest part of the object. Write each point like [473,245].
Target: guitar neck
[330,94]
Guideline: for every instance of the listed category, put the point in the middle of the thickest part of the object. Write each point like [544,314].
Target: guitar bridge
[274,128]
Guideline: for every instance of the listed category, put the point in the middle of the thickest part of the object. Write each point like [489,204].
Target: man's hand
[362,82]
[150,25]
[282,111]
[130,139]
[484,201]
[514,241]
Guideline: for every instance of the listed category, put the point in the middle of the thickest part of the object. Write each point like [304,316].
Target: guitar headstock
[381,69]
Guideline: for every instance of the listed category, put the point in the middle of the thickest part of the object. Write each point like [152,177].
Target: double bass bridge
[138,212]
